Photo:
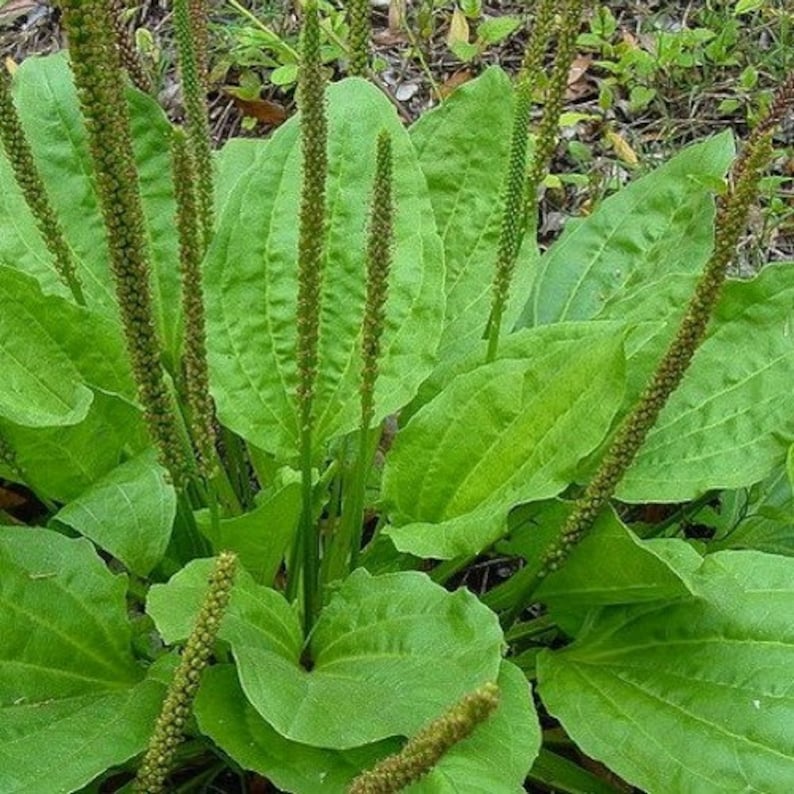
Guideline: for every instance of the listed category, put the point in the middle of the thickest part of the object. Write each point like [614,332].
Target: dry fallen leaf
[579,67]
[622,148]
[578,85]
[452,82]
[260,109]
[10,499]
[396,15]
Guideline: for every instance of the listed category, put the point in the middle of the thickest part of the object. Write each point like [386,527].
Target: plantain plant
[235,569]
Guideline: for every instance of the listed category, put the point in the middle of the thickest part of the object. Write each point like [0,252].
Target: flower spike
[360,28]
[311,253]
[428,747]
[190,33]
[100,85]
[732,212]
[27,176]
[170,726]
[196,370]
[514,216]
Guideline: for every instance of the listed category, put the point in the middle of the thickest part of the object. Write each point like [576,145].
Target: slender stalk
[381,235]
[311,252]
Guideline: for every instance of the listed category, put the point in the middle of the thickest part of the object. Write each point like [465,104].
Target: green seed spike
[199,15]
[513,214]
[169,729]
[381,235]
[196,371]
[546,140]
[31,184]
[187,23]
[428,747]
[379,256]
[100,85]
[311,251]
[360,30]
[127,52]
[732,212]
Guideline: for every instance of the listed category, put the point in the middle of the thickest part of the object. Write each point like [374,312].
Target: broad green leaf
[688,696]
[49,110]
[377,636]
[231,162]
[652,312]
[61,745]
[558,341]
[62,462]
[508,432]
[41,386]
[463,147]
[261,536]
[251,280]
[47,362]
[494,760]
[613,566]
[658,225]
[72,698]
[225,715]
[129,513]
[731,421]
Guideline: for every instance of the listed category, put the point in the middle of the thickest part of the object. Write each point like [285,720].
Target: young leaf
[261,536]
[377,635]
[73,701]
[692,695]
[251,281]
[129,513]
[492,761]
[508,432]
[465,161]
[643,232]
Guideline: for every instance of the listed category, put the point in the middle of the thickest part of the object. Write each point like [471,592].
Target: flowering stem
[732,212]
[311,253]
[514,217]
